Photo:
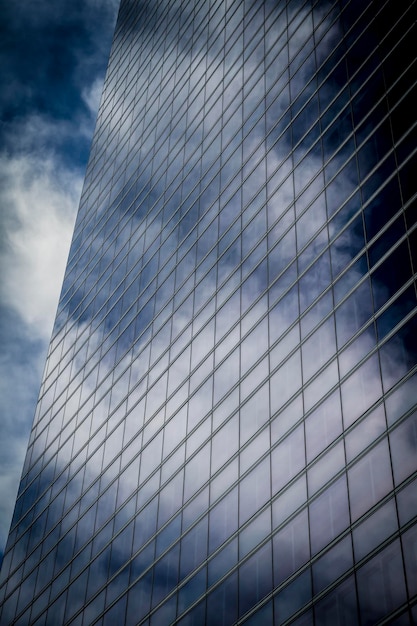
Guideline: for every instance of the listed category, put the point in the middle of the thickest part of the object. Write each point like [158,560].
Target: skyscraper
[226,431]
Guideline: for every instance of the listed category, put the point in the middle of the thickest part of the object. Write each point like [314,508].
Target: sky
[53,57]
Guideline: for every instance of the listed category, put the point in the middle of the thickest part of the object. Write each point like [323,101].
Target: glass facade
[226,431]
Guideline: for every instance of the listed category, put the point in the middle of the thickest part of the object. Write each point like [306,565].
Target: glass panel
[223,519]
[322,471]
[287,459]
[333,564]
[356,350]
[339,607]
[285,382]
[253,534]
[254,490]
[166,572]
[254,413]
[222,603]
[403,443]
[381,585]
[262,616]
[194,588]
[407,502]
[194,617]
[289,501]
[319,387]
[375,529]
[409,542]
[291,547]
[323,425]
[365,432]
[222,562]
[227,375]
[329,515]
[403,399]
[318,349]
[361,390]
[255,578]
[224,480]
[115,613]
[369,480]
[292,598]
[224,443]
[255,450]
[197,471]
[139,599]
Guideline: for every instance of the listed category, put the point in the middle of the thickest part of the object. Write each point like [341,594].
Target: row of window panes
[318,570]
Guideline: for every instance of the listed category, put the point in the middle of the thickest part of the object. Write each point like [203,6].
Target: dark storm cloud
[50,54]
[48,51]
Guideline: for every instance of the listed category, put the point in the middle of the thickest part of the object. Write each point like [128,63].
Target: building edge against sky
[226,430]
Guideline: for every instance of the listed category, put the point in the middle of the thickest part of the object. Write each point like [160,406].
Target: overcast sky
[53,57]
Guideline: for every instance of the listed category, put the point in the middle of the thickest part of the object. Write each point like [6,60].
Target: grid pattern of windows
[226,431]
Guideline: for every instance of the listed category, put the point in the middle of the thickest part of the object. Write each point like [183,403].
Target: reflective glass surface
[226,431]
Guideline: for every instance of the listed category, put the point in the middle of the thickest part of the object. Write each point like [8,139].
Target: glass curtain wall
[226,431]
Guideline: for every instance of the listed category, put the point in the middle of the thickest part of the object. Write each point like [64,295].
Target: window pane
[403,441]
[255,578]
[291,547]
[381,585]
[287,459]
[369,480]
[223,520]
[375,529]
[333,564]
[222,603]
[329,515]
[292,598]
[339,608]
[409,541]
[254,490]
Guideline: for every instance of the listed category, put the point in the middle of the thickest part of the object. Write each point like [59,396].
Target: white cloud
[39,208]
[91,95]
[38,199]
